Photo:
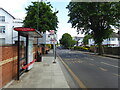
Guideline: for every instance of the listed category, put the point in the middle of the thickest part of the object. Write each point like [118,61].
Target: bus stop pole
[54,53]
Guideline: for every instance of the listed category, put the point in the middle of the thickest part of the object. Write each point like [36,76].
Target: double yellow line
[79,82]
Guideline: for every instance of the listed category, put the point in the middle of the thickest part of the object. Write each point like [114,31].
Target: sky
[17,9]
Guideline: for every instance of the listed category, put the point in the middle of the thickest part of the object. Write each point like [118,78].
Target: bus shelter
[25,45]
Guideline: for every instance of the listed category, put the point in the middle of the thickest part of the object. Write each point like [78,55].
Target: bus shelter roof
[28,32]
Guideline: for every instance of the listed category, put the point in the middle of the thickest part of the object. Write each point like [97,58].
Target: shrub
[48,45]
[81,48]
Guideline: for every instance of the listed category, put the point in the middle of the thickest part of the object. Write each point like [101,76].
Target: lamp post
[54,49]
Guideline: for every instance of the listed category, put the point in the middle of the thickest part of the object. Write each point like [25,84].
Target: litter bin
[43,50]
[46,52]
[39,57]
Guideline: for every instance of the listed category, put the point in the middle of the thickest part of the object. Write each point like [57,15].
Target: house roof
[78,37]
[7,12]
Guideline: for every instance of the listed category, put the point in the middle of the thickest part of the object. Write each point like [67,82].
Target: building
[79,40]
[7,23]
[48,38]
[113,41]
[18,58]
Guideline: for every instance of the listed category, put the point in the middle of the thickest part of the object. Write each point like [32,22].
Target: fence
[112,50]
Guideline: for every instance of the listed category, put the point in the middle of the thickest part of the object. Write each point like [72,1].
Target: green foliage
[85,39]
[48,45]
[66,40]
[81,48]
[73,42]
[42,19]
[95,18]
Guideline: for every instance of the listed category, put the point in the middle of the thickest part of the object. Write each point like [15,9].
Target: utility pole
[38,22]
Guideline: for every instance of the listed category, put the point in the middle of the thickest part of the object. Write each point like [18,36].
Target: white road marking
[69,63]
[110,64]
[91,64]
[72,61]
[116,75]
[75,61]
[91,59]
[86,58]
[103,69]
[79,62]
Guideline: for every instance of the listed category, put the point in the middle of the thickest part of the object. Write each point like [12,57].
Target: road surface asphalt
[92,70]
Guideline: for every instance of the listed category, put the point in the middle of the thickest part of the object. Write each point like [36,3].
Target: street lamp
[54,48]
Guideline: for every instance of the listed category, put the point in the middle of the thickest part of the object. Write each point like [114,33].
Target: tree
[85,39]
[40,16]
[73,42]
[66,40]
[95,18]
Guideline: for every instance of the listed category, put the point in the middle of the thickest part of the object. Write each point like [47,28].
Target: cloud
[58,0]
[15,7]
[69,30]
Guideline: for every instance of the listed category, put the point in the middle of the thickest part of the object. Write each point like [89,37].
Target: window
[2,29]
[2,18]
[112,39]
[118,39]
[2,41]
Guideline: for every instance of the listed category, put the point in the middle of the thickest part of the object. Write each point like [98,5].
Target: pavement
[45,74]
[112,56]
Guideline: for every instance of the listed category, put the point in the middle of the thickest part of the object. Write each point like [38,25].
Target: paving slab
[45,74]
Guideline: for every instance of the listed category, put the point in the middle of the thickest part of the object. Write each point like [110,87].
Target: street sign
[51,32]
[49,37]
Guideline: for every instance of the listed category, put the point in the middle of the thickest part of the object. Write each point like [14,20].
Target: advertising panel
[30,52]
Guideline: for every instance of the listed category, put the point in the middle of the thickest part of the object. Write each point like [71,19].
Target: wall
[16,23]
[91,42]
[112,50]
[8,64]
[108,50]
[80,42]
[115,43]
[9,23]
[0,67]
[8,26]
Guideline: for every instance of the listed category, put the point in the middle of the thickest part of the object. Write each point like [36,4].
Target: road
[92,70]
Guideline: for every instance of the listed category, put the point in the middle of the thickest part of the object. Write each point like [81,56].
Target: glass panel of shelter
[22,52]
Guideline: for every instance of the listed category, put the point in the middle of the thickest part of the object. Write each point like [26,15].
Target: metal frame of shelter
[25,33]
